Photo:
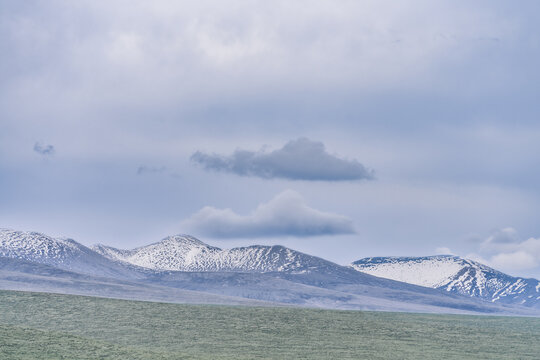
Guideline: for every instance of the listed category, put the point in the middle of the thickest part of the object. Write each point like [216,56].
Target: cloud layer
[406,82]
[300,159]
[285,215]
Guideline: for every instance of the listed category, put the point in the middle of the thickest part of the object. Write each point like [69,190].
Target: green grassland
[50,326]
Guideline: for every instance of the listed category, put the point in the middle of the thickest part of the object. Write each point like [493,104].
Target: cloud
[43,149]
[504,236]
[443,251]
[518,260]
[300,159]
[507,241]
[505,250]
[157,170]
[477,258]
[143,169]
[285,215]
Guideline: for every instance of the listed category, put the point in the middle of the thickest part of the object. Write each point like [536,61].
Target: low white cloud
[287,214]
[504,250]
[518,260]
[443,251]
[476,257]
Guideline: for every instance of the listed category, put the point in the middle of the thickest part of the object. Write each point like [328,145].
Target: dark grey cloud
[43,149]
[287,214]
[300,159]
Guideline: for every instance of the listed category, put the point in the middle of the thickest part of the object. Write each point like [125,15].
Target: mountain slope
[66,254]
[289,290]
[456,275]
[17,274]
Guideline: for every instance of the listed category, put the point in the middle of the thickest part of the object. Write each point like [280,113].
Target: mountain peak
[64,253]
[454,274]
[31,245]
[180,239]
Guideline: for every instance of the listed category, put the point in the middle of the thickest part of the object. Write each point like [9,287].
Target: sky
[343,129]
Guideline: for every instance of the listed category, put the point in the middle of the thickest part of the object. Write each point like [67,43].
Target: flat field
[51,326]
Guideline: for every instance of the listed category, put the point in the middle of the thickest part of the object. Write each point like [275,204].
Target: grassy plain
[51,326]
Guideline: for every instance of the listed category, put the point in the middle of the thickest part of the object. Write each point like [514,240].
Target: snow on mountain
[454,274]
[63,253]
[186,253]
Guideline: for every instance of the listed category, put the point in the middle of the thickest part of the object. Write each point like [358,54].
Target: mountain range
[186,253]
[182,268]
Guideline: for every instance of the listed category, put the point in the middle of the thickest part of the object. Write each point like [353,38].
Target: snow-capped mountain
[63,253]
[186,253]
[34,261]
[454,274]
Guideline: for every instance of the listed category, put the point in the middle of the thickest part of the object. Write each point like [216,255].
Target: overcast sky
[343,129]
